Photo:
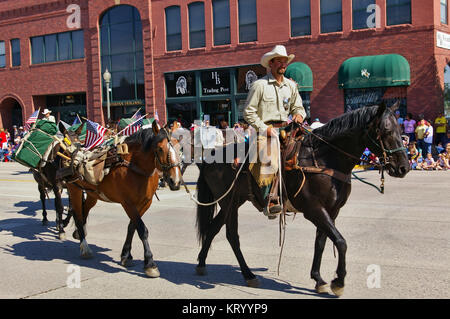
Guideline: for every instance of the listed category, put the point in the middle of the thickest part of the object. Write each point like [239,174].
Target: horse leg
[125,256]
[324,222]
[319,246]
[233,239]
[151,270]
[69,214]
[216,225]
[44,211]
[59,212]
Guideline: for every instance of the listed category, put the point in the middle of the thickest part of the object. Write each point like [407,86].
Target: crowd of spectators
[9,142]
[427,142]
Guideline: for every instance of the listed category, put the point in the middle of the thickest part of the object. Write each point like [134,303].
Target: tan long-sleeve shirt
[270,101]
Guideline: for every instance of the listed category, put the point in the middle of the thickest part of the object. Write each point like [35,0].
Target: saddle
[93,166]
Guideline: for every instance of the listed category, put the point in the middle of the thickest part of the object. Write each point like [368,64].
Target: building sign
[443,40]
[126,103]
[180,84]
[247,75]
[215,82]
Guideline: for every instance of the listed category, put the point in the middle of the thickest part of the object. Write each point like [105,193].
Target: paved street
[398,246]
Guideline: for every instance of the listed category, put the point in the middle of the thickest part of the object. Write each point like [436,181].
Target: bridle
[167,167]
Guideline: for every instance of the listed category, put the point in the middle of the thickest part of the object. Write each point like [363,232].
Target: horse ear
[381,108]
[155,127]
[62,128]
[395,106]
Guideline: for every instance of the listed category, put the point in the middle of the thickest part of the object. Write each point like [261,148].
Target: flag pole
[132,123]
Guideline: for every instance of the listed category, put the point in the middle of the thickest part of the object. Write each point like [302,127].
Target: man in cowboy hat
[47,116]
[270,101]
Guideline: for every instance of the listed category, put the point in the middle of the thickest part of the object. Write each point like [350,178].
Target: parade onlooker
[420,134]
[440,124]
[409,126]
[400,119]
[429,162]
[428,137]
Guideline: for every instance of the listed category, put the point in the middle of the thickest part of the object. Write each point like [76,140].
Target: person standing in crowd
[409,126]
[428,137]
[47,116]
[420,134]
[440,125]
[400,119]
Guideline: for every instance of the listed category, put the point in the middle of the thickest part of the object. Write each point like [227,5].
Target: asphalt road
[398,246]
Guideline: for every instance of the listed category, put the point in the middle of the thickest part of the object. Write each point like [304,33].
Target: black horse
[319,192]
[48,181]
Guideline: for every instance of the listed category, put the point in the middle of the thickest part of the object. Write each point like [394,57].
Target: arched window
[196,25]
[173,28]
[247,21]
[122,53]
[221,22]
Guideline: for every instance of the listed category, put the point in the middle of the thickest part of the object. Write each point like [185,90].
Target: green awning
[374,71]
[301,74]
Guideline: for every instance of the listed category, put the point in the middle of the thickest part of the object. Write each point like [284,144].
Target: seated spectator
[441,164]
[419,162]
[429,163]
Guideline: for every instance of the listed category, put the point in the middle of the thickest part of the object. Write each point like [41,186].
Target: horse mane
[146,138]
[348,123]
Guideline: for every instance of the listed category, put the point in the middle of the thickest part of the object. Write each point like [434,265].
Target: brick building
[193,58]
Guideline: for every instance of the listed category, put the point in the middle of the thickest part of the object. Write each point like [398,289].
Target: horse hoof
[322,289]
[152,272]
[127,262]
[338,291]
[62,236]
[201,271]
[253,283]
[85,251]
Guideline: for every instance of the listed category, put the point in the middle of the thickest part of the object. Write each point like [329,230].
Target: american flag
[95,134]
[133,127]
[156,117]
[31,120]
[136,115]
[76,120]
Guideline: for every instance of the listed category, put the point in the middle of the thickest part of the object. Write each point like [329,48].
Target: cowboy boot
[273,208]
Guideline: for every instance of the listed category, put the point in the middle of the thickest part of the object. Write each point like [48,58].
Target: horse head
[385,141]
[167,158]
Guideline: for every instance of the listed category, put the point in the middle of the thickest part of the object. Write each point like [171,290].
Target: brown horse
[150,154]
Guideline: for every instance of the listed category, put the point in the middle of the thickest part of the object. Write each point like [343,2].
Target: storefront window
[186,113]
[196,25]
[360,14]
[447,91]
[66,107]
[173,28]
[247,75]
[221,17]
[122,54]
[398,11]
[330,16]
[2,54]
[300,18]
[15,52]
[247,21]
[215,82]
[180,84]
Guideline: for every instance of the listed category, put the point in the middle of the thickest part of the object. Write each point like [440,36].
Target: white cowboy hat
[45,111]
[277,51]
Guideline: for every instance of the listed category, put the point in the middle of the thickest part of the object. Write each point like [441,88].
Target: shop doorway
[10,113]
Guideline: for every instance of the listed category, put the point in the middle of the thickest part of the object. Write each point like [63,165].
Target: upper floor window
[330,16]
[173,28]
[300,18]
[362,10]
[15,52]
[196,25]
[398,11]
[221,22]
[57,47]
[2,54]
[247,21]
[444,15]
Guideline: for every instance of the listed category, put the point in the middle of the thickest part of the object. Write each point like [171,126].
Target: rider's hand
[297,118]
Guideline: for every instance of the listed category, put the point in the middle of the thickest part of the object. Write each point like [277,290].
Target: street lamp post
[107,78]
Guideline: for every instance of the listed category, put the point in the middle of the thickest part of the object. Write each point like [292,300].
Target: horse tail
[205,214]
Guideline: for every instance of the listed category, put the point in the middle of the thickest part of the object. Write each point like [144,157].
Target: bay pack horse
[150,153]
[48,180]
[335,147]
